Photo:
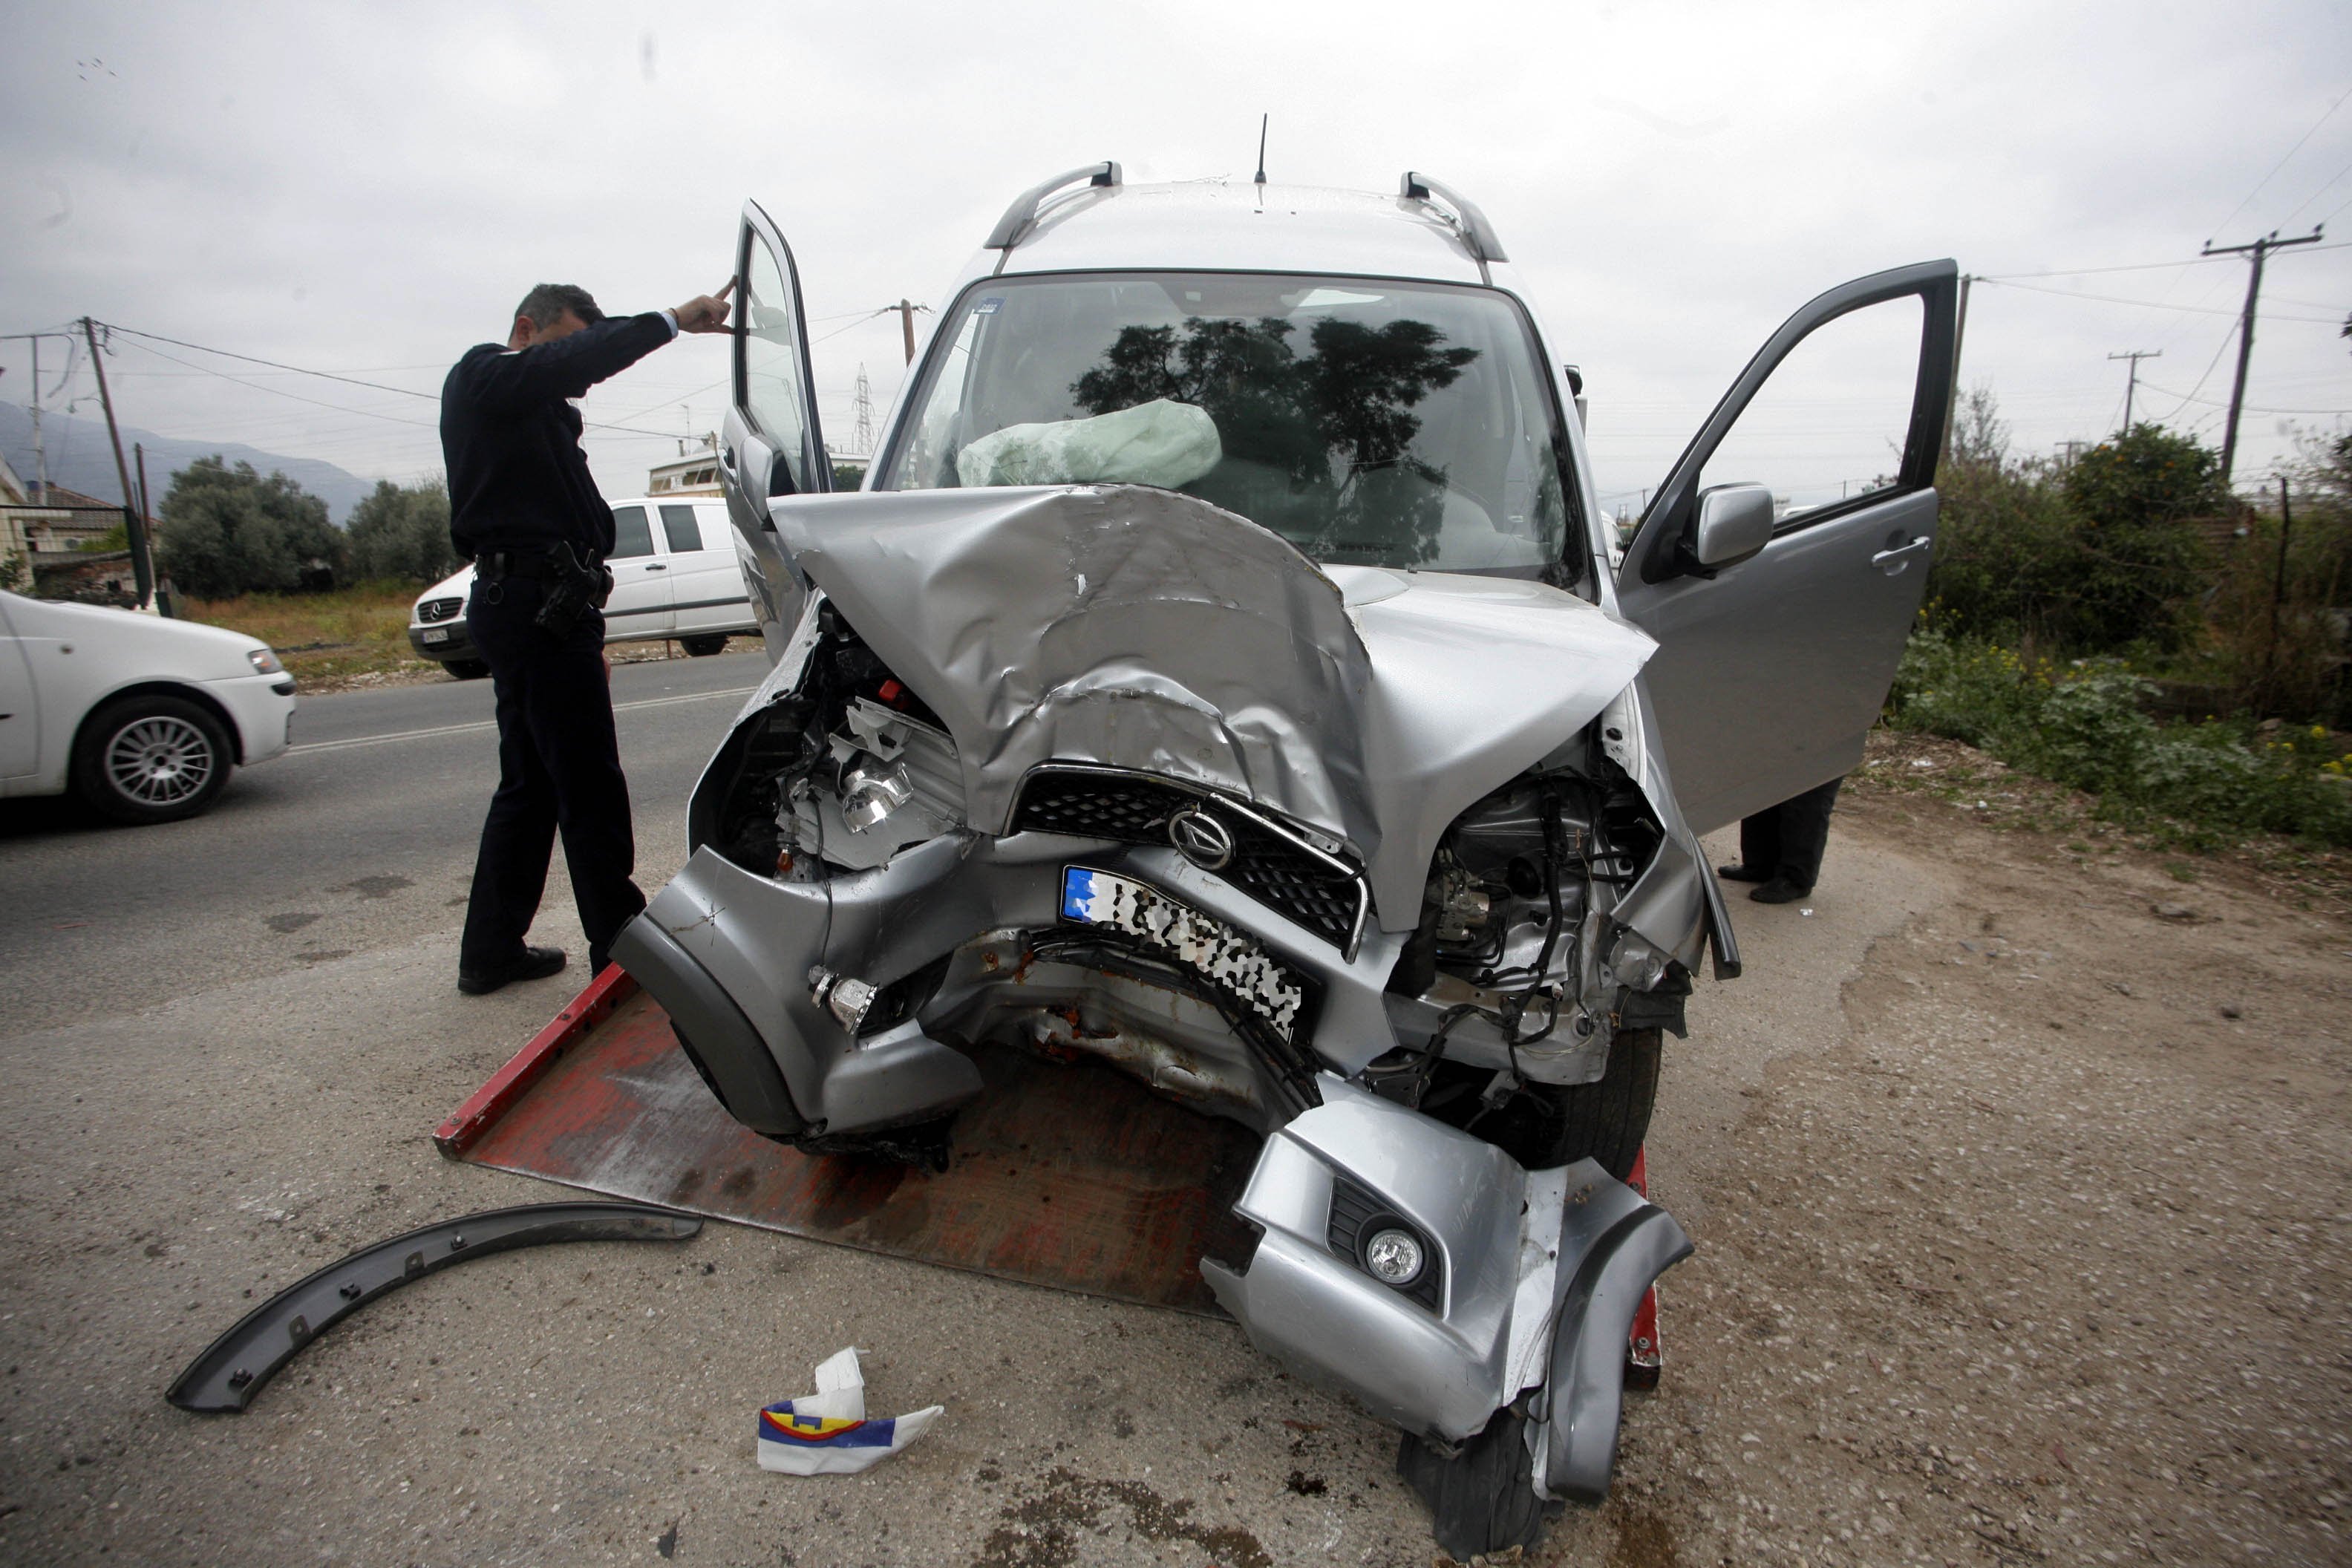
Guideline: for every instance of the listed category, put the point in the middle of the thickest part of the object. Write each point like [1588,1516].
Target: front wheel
[467,668]
[1544,1125]
[704,646]
[150,759]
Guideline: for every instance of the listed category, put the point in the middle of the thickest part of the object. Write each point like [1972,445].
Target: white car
[142,717]
[680,581]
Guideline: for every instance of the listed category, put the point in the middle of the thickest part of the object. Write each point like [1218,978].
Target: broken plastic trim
[231,1370]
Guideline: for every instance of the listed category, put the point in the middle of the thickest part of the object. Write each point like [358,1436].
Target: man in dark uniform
[1781,846]
[523,508]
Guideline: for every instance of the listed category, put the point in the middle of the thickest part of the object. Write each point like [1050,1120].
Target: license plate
[437,634]
[1233,962]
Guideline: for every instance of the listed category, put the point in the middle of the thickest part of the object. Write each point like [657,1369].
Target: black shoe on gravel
[1779,891]
[534,964]
[1743,874]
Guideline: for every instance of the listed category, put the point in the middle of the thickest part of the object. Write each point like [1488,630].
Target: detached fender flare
[1584,1395]
[231,1370]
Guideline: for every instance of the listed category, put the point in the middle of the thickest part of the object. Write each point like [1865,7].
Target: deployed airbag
[1158,442]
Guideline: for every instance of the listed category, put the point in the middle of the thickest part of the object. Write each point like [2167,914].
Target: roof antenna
[1261,147]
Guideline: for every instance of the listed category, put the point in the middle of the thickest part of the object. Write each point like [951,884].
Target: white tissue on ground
[1160,443]
[827,1434]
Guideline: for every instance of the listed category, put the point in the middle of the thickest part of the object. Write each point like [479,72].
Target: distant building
[693,472]
[47,532]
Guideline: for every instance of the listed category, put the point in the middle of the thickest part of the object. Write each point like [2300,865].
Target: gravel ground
[2019,1209]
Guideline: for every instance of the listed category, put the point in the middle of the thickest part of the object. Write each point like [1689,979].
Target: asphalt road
[360,836]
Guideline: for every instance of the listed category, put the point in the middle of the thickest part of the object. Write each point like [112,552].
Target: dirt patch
[1065,1515]
[2045,1259]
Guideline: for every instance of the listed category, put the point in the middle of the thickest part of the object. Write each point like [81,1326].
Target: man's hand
[705,312]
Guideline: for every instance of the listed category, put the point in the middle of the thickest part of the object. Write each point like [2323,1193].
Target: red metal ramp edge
[1066,1174]
[595,1004]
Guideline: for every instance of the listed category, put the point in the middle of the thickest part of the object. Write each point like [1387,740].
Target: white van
[674,576]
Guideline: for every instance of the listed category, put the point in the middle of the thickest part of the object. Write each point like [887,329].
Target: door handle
[726,458]
[655,566]
[1893,560]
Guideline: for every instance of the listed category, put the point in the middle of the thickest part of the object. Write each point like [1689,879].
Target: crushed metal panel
[1143,629]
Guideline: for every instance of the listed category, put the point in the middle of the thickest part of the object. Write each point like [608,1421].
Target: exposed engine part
[840,773]
[872,789]
[848,1000]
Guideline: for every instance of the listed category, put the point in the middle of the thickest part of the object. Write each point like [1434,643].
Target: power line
[2281,164]
[2323,187]
[2249,408]
[281,392]
[2150,304]
[326,375]
[2086,272]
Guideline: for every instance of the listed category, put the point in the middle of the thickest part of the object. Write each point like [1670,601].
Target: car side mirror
[1735,522]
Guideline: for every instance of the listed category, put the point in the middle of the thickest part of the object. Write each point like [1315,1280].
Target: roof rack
[1477,232]
[1022,216]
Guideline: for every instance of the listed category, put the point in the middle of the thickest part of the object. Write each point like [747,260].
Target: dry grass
[326,638]
[355,637]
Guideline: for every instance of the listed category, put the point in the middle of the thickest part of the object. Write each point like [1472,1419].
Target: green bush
[2100,555]
[2081,725]
[402,532]
[228,531]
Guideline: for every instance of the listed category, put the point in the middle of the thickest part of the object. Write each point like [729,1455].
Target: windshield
[1368,422]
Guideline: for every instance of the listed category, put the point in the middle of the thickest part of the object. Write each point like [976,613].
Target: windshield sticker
[988,307]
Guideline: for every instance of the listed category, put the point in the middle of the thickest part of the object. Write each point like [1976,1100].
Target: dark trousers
[1785,842]
[559,768]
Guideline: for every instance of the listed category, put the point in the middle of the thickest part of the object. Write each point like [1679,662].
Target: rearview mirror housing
[1734,522]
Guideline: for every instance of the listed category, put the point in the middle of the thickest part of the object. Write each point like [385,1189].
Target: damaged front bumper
[1528,1284]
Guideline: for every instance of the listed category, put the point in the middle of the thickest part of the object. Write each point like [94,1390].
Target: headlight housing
[264,661]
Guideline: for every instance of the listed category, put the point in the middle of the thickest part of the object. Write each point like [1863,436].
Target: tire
[150,759]
[1482,1498]
[704,646]
[468,669]
[1544,1125]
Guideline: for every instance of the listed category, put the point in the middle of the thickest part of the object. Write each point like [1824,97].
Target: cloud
[361,188]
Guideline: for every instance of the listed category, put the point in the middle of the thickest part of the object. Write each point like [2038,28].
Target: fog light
[1394,1256]
[848,1000]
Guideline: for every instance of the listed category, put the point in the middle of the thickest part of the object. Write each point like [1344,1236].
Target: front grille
[433,610]
[1271,865]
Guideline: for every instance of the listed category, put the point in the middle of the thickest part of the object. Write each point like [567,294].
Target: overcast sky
[368,190]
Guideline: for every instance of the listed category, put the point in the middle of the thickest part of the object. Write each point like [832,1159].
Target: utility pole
[2258,249]
[2132,384]
[143,564]
[1959,333]
[906,324]
[40,450]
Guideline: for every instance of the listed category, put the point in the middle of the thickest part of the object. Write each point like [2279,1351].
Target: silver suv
[1228,670]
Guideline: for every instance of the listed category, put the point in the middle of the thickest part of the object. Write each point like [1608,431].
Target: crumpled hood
[1143,629]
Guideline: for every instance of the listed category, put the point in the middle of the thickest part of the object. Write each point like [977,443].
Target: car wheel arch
[183,690]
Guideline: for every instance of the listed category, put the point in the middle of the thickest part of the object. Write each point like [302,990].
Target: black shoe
[1779,891]
[1743,874]
[536,963]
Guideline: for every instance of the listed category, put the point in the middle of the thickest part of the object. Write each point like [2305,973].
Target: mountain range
[82,460]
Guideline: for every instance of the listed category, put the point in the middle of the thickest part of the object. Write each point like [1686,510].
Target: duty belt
[493,564]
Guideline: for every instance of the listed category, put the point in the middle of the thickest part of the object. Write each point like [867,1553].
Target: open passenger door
[1780,608]
[771,445]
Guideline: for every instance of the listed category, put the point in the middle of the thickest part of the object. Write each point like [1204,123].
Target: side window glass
[1830,423]
[685,533]
[632,535]
[772,394]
